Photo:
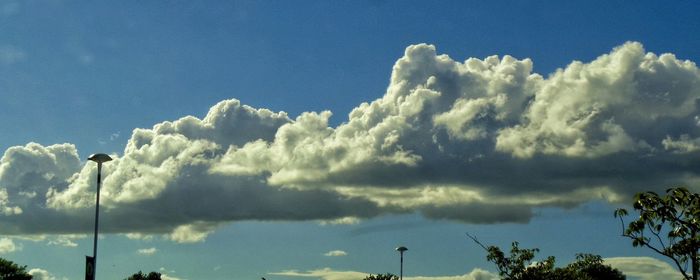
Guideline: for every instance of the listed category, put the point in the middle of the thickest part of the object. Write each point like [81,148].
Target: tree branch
[676,261]
[477,242]
[646,244]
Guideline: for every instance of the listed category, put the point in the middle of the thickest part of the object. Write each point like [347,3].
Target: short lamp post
[99,158]
[401,250]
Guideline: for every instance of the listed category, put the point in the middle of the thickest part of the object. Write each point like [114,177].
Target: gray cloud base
[479,141]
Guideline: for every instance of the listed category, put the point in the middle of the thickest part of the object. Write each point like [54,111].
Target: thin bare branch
[477,242]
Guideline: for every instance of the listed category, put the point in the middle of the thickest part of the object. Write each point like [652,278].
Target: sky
[309,139]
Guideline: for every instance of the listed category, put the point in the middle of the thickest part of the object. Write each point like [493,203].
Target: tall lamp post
[99,158]
[401,250]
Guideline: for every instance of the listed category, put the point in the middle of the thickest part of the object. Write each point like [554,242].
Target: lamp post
[401,250]
[99,158]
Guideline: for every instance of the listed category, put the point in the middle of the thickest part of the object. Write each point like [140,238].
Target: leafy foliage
[12,271]
[589,267]
[387,276]
[140,276]
[668,225]
[520,265]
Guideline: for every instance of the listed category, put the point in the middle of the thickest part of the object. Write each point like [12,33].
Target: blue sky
[503,147]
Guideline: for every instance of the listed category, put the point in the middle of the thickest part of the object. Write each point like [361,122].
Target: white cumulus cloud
[41,274]
[66,240]
[447,138]
[7,245]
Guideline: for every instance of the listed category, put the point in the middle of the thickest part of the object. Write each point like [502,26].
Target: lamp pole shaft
[97,220]
[401,270]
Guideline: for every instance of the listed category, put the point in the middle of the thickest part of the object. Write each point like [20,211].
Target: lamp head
[99,158]
[402,249]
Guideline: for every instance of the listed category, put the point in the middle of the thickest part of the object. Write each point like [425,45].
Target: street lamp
[401,250]
[99,158]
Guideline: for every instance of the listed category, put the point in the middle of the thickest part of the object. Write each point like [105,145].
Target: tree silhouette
[668,225]
[520,265]
[12,271]
[588,267]
[387,276]
[140,276]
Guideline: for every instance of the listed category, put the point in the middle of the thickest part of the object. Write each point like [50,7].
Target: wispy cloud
[330,274]
[325,274]
[114,136]
[138,236]
[446,139]
[147,251]
[169,277]
[341,221]
[65,240]
[336,253]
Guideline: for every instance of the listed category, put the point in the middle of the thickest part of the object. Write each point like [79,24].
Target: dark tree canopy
[140,276]
[387,276]
[12,271]
[520,265]
[589,267]
[668,225]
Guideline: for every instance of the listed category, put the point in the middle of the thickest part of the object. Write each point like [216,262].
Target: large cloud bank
[479,141]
